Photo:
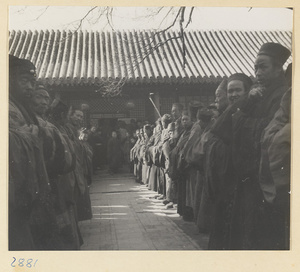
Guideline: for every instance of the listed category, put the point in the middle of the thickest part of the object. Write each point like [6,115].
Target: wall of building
[134,103]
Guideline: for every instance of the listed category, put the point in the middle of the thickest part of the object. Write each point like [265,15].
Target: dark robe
[192,171]
[88,162]
[196,157]
[71,233]
[147,162]
[155,181]
[177,172]
[274,175]
[81,189]
[30,206]
[114,154]
[249,229]
[221,188]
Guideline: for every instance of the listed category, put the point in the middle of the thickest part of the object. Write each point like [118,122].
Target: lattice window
[205,99]
[166,105]
[138,112]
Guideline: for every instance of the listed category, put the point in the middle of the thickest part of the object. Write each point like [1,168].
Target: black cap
[276,51]
[21,65]
[241,77]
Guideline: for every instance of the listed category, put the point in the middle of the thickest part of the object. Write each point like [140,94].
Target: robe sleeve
[274,173]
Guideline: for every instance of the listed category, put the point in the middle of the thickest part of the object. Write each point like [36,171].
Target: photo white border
[142,261]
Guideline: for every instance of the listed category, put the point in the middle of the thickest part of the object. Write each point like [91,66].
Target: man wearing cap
[59,161]
[59,117]
[28,181]
[237,86]
[220,174]
[191,171]
[164,149]
[176,168]
[249,228]
[81,189]
[274,175]
[152,156]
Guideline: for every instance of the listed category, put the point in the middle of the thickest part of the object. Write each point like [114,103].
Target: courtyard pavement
[127,217]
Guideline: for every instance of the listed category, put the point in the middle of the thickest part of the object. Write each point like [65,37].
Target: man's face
[185,121]
[77,118]
[265,71]
[235,89]
[175,112]
[23,85]
[221,100]
[40,101]
[171,134]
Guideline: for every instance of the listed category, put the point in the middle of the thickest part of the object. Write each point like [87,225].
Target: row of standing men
[228,168]
[50,166]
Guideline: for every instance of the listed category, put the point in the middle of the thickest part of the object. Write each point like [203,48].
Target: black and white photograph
[161,128]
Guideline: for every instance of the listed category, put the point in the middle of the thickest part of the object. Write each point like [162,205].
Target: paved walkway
[125,218]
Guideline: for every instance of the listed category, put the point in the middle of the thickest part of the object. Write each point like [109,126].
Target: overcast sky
[54,17]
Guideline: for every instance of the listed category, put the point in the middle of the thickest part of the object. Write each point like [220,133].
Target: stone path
[126,218]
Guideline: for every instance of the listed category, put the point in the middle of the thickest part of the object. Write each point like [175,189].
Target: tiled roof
[63,57]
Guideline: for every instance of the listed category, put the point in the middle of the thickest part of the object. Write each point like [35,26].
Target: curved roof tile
[88,57]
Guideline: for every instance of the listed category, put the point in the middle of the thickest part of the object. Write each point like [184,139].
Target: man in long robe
[161,150]
[221,175]
[176,169]
[249,227]
[152,154]
[71,234]
[274,174]
[28,181]
[192,171]
[58,162]
[147,163]
[81,189]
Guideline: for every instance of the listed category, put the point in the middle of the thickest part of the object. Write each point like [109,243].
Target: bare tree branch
[41,14]
[142,49]
[190,17]
[171,25]
[154,48]
[83,18]
[111,87]
[109,16]
[182,36]
[165,16]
